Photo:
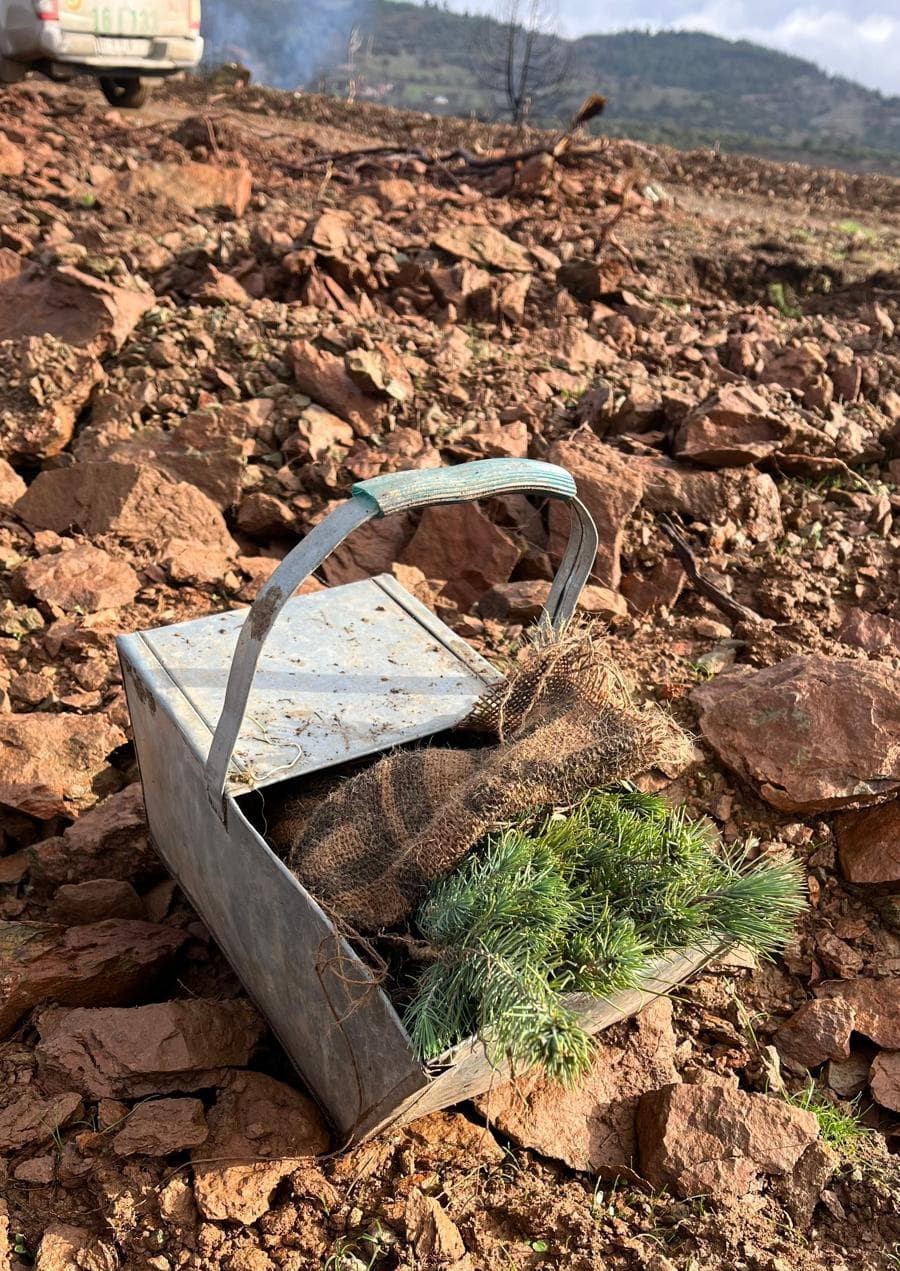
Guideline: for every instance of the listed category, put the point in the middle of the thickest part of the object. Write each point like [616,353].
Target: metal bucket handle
[395,492]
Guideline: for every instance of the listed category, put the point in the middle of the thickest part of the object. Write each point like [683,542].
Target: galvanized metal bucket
[241,701]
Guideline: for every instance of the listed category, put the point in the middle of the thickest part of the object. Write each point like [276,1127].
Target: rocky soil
[202,345]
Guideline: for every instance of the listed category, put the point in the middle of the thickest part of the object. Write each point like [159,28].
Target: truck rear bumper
[159,55]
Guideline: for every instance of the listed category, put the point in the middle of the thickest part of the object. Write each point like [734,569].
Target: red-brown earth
[200,350]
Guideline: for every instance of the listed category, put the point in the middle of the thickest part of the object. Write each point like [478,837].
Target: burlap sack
[563,724]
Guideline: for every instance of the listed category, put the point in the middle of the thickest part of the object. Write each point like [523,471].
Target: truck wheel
[130,94]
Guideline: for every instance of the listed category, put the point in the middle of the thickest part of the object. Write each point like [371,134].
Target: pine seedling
[580,903]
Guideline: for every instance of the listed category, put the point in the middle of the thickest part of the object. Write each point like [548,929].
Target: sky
[859,39]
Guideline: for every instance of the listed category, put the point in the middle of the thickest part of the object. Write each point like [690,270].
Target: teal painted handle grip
[400,491]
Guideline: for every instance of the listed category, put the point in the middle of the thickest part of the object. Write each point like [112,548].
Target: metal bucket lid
[344,673]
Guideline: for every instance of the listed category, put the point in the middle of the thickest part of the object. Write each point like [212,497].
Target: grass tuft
[839,1125]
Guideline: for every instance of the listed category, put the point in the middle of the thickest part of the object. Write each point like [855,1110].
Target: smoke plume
[285,43]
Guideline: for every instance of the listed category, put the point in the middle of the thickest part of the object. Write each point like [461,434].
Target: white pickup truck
[123,45]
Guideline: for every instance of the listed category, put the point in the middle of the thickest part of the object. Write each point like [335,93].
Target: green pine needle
[581,903]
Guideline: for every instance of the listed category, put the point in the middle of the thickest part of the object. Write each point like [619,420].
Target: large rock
[811,733]
[101,964]
[109,841]
[484,245]
[260,1130]
[162,1127]
[715,1140]
[458,544]
[44,386]
[730,429]
[610,487]
[48,762]
[884,1079]
[869,844]
[876,1003]
[324,377]
[743,495]
[591,1128]
[77,308]
[30,1118]
[819,1030]
[135,502]
[143,1050]
[196,187]
[83,578]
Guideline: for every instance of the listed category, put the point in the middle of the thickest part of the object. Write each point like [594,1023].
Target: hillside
[684,88]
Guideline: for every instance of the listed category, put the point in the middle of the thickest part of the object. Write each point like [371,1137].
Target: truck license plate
[120,47]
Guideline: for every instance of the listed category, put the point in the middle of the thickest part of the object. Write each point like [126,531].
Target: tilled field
[205,339]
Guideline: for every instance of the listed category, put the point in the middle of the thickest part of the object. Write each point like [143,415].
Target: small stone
[874,632]
[65,1247]
[868,844]
[12,158]
[109,841]
[657,589]
[877,1006]
[433,1235]
[30,1118]
[521,601]
[484,245]
[460,545]
[800,1189]
[145,1050]
[48,762]
[75,904]
[611,487]
[260,1131]
[884,1079]
[732,428]
[602,602]
[133,501]
[263,516]
[198,564]
[40,1170]
[591,1127]
[324,378]
[84,578]
[12,487]
[715,1140]
[193,186]
[161,1127]
[819,1030]
[848,1077]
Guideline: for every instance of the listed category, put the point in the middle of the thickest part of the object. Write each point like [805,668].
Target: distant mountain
[681,87]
